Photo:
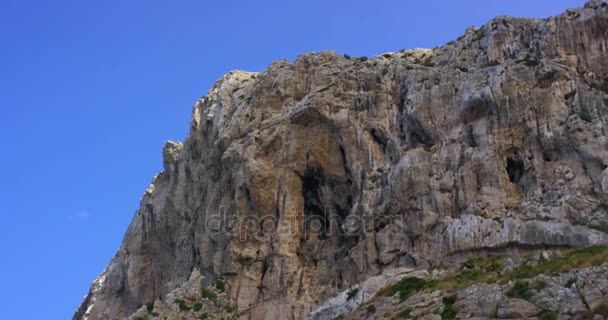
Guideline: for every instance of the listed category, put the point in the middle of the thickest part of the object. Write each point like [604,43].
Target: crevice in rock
[470,137]
[400,108]
[379,137]
[264,271]
[415,133]
[345,163]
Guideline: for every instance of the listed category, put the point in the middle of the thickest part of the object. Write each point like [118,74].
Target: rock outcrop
[306,179]
[579,293]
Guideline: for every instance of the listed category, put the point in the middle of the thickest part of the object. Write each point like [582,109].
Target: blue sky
[90,90]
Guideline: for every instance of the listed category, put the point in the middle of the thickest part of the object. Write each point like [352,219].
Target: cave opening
[515,168]
[315,215]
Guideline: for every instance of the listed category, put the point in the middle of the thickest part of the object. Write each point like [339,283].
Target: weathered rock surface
[578,294]
[187,303]
[351,299]
[313,176]
[516,309]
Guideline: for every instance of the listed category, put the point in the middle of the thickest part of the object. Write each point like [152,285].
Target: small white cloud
[80,215]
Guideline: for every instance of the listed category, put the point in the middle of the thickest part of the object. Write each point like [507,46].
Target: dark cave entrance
[315,214]
[515,168]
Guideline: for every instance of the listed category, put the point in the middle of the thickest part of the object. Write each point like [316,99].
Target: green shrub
[548,315]
[197,306]
[150,306]
[182,305]
[341,316]
[387,55]
[451,299]
[220,285]
[467,276]
[371,309]
[352,294]
[408,286]
[528,62]
[570,282]
[584,115]
[449,312]
[208,294]
[520,290]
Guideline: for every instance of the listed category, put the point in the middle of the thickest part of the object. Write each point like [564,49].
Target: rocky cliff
[313,176]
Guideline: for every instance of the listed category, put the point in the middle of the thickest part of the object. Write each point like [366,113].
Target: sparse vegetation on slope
[492,270]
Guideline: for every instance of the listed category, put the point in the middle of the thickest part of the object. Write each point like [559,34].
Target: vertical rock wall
[302,180]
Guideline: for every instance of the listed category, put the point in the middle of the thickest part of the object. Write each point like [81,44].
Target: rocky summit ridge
[465,181]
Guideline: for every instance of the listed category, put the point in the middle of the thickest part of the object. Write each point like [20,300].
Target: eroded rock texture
[408,159]
[577,294]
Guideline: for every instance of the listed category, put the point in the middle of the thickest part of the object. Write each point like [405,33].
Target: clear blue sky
[90,90]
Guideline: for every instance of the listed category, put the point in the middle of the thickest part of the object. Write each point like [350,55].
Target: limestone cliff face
[314,175]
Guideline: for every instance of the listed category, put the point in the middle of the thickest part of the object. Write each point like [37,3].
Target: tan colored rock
[516,309]
[496,139]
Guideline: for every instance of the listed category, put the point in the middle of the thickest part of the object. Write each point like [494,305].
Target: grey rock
[496,140]
[480,301]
